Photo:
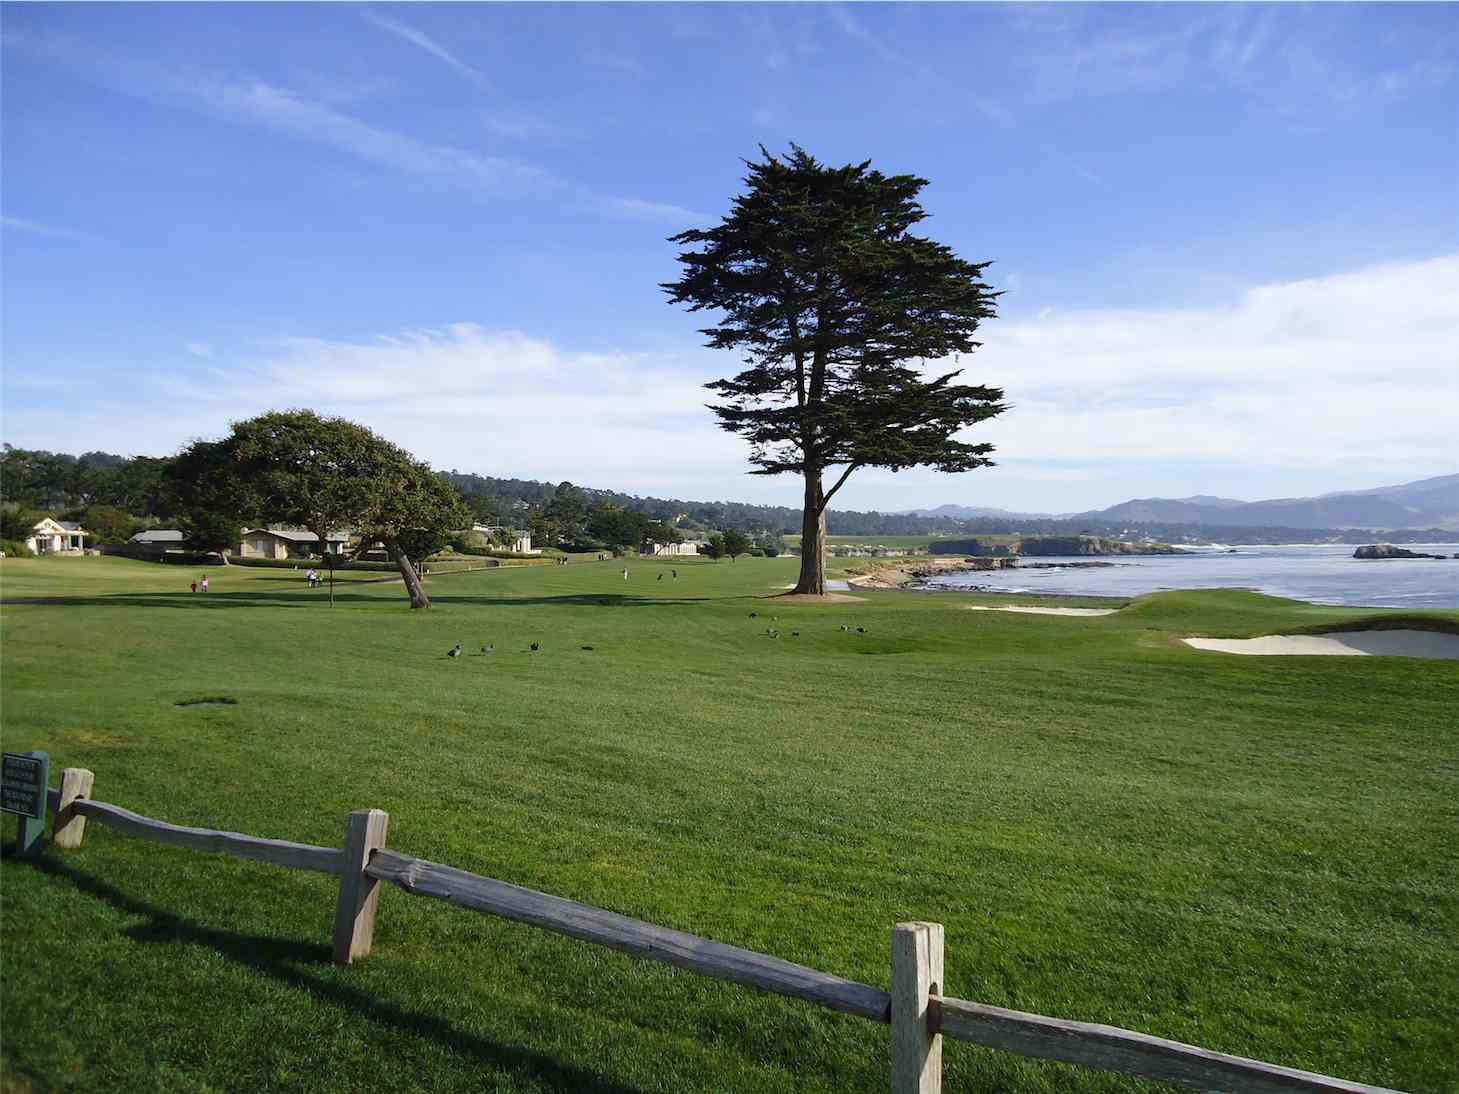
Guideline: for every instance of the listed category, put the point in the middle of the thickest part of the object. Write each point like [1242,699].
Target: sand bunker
[1041,611]
[1339,644]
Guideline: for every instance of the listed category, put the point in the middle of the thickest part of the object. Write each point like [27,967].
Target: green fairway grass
[1255,855]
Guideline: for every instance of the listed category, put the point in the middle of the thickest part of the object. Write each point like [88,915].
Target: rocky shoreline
[912,574]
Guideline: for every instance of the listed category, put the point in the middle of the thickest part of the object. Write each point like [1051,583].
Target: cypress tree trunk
[812,539]
[418,598]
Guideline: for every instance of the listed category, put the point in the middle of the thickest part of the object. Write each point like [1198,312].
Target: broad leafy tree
[211,532]
[736,543]
[713,547]
[833,304]
[324,474]
[108,524]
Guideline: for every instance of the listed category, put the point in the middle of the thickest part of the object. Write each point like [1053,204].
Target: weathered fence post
[70,825]
[916,974]
[354,916]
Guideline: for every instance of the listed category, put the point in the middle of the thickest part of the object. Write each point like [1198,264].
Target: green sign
[23,779]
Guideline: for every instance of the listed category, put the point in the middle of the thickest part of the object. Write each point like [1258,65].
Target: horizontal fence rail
[919,1016]
[619,932]
[296,856]
[1110,1048]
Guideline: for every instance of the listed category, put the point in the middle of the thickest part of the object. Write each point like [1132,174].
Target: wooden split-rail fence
[916,1009]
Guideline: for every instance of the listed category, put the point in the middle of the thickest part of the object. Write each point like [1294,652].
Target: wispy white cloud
[648,212]
[992,110]
[614,60]
[421,39]
[849,24]
[521,125]
[265,105]
[258,103]
[36,228]
[1290,71]
[200,349]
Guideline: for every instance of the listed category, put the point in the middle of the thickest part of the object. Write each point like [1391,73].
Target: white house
[55,537]
[519,543]
[675,550]
[280,543]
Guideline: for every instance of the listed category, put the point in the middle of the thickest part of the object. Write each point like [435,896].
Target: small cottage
[282,543]
[518,541]
[675,550]
[56,537]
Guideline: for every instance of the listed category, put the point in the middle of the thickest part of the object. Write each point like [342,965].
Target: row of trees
[77,487]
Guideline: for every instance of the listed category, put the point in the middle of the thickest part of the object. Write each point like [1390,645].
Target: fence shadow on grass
[280,959]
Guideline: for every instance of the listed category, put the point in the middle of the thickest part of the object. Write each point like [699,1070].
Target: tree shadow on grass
[220,601]
[280,958]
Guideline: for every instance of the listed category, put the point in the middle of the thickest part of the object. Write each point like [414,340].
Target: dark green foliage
[621,529]
[568,507]
[714,547]
[108,524]
[736,543]
[832,301]
[206,531]
[18,521]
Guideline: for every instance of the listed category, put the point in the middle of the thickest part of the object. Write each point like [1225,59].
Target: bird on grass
[489,648]
[795,634]
[860,630]
[536,646]
[844,627]
[754,615]
[454,651]
[589,648]
[772,632]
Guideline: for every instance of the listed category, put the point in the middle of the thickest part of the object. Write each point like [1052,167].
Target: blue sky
[1228,235]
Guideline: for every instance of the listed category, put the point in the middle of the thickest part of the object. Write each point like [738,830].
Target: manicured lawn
[1256,855]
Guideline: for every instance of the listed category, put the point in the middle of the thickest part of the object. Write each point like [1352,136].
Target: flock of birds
[772,631]
[490,648]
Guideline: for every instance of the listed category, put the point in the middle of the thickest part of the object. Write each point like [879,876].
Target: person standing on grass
[205,583]
[195,586]
[625,573]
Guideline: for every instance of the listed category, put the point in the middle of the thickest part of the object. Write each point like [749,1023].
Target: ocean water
[1322,574]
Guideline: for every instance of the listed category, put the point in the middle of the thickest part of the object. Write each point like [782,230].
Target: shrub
[13,548]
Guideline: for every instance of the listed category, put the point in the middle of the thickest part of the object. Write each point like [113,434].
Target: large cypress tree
[833,301]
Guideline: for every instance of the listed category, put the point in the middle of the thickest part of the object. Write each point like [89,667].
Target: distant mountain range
[1427,503]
